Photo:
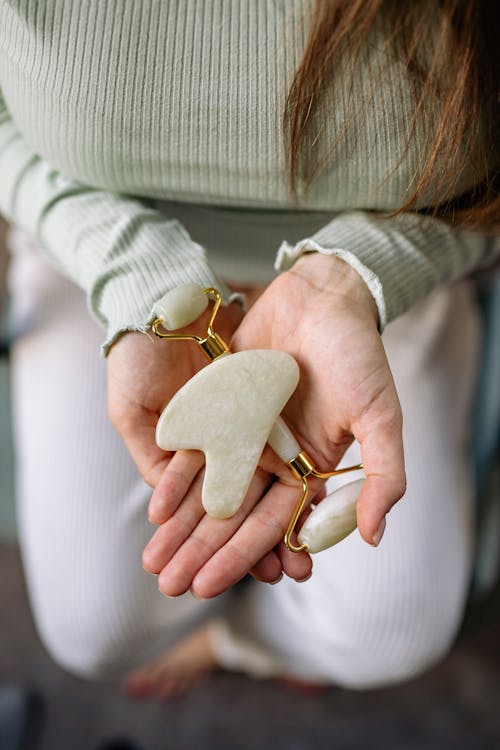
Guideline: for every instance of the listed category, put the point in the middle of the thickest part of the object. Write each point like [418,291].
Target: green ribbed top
[106,105]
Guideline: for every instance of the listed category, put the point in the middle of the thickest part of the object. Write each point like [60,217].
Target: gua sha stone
[227,410]
[333,519]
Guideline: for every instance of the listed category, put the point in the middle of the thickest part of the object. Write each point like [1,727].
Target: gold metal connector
[213,346]
[302,466]
[296,515]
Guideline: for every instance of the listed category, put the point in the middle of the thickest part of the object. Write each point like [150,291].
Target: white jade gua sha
[230,410]
[231,432]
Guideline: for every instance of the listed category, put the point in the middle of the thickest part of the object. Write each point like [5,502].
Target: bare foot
[177,670]
[189,663]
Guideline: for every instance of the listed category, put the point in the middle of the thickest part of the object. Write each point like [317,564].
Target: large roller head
[332,519]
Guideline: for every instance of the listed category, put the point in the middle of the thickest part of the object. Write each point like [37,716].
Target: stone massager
[230,410]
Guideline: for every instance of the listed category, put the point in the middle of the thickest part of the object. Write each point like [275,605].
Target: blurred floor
[454,707]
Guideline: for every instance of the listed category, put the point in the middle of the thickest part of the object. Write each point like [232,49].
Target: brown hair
[463,69]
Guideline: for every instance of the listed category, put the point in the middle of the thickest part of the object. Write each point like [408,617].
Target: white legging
[367,617]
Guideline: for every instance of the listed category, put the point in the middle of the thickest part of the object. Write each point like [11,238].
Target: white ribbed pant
[366,618]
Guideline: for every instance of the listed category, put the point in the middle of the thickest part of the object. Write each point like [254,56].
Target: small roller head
[181,306]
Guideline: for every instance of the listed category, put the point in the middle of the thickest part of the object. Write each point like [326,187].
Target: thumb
[383,462]
[137,426]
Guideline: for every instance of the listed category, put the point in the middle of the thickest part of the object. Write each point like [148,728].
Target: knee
[102,638]
[89,652]
[395,648]
[89,641]
[400,658]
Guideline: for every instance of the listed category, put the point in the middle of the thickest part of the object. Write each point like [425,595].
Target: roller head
[181,306]
[332,519]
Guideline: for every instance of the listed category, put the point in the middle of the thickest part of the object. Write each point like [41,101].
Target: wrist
[330,274]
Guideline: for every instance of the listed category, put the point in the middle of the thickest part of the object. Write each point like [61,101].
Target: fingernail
[303,580]
[379,533]
[273,583]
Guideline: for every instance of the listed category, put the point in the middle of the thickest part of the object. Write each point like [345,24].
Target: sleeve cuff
[136,312]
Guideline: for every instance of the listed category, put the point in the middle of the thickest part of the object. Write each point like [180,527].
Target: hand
[346,389]
[322,313]
[143,375]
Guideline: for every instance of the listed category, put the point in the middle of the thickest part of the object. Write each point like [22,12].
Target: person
[141,147]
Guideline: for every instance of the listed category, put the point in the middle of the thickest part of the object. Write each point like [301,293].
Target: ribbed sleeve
[122,252]
[401,259]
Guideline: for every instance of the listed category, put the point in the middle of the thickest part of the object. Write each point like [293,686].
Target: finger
[296,565]
[205,540]
[261,532]
[268,570]
[174,484]
[150,460]
[383,462]
[171,535]
[177,575]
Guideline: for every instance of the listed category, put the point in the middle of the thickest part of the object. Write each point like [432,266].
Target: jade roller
[230,410]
